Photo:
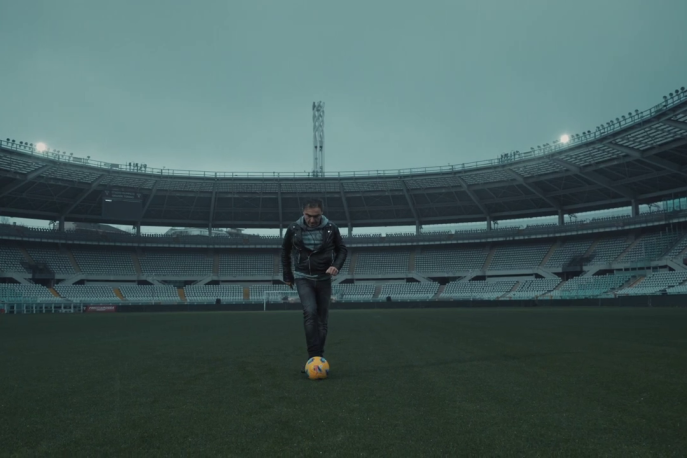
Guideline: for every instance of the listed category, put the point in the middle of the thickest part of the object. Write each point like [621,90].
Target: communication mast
[318,139]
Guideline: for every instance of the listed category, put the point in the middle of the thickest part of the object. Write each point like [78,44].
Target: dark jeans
[315,296]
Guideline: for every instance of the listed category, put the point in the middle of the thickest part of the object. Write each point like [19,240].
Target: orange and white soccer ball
[317,368]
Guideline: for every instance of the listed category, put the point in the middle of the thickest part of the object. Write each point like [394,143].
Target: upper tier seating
[57,262]
[451,260]
[566,252]
[191,264]
[110,262]
[512,257]
[239,265]
[11,258]
[382,263]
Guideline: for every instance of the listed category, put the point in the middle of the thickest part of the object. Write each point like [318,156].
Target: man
[314,245]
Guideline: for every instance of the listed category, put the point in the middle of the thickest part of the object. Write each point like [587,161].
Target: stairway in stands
[118,293]
[490,256]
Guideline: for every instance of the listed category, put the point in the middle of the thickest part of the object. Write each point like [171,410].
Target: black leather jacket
[332,252]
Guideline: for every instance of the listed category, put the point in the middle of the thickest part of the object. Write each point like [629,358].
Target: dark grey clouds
[228,85]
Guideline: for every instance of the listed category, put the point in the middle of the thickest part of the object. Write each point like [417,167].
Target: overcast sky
[229,85]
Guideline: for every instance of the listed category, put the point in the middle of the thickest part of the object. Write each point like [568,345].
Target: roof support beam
[596,178]
[637,154]
[473,196]
[153,190]
[404,186]
[83,195]
[345,205]
[532,187]
[676,124]
[29,176]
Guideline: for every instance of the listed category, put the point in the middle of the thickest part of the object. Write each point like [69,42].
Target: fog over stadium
[229,87]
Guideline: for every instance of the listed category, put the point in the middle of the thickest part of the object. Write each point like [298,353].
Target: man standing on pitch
[314,245]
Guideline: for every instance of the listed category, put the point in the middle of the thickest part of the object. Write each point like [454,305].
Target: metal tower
[318,139]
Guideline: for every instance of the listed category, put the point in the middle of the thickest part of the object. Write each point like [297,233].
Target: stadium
[541,318]
[638,160]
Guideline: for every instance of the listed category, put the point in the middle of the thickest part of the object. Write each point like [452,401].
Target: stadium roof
[640,158]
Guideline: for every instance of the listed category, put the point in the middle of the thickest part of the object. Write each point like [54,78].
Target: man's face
[313,216]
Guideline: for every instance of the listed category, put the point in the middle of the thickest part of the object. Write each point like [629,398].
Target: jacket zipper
[329,233]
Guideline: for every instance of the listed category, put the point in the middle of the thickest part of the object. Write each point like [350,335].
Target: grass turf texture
[487,382]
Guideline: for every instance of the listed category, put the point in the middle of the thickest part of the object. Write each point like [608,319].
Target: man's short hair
[312,203]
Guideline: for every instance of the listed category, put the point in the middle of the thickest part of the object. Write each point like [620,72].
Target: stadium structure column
[318,139]
[61,224]
[281,218]
[488,223]
[138,228]
[635,208]
[561,217]
[345,205]
[213,199]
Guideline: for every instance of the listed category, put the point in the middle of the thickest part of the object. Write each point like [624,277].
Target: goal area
[277,300]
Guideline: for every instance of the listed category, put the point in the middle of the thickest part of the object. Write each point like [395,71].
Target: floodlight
[40,147]
[565,138]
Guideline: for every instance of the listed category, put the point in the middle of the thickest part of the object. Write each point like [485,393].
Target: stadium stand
[57,262]
[353,292]
[477,290]
[90,293]
[14,292]
[678,248]
[512,257]
[530,289]
[148,293]
[588,287]
[450,260]
[11,258]
[650,247]
[608,249]
[655,283]
[566,252]
[110,262]
[67,192]
[242,265]
[381,263]
[679,289]
[409,291]
[209,293]
[189,264]
[18,164]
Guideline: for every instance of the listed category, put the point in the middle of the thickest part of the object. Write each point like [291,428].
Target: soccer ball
[317,368]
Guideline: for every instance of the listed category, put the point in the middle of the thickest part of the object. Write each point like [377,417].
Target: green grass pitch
[423,382]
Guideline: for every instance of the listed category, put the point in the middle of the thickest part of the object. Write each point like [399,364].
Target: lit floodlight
[565,138]
[40,147]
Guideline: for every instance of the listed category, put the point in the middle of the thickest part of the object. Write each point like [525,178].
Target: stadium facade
[637,159]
